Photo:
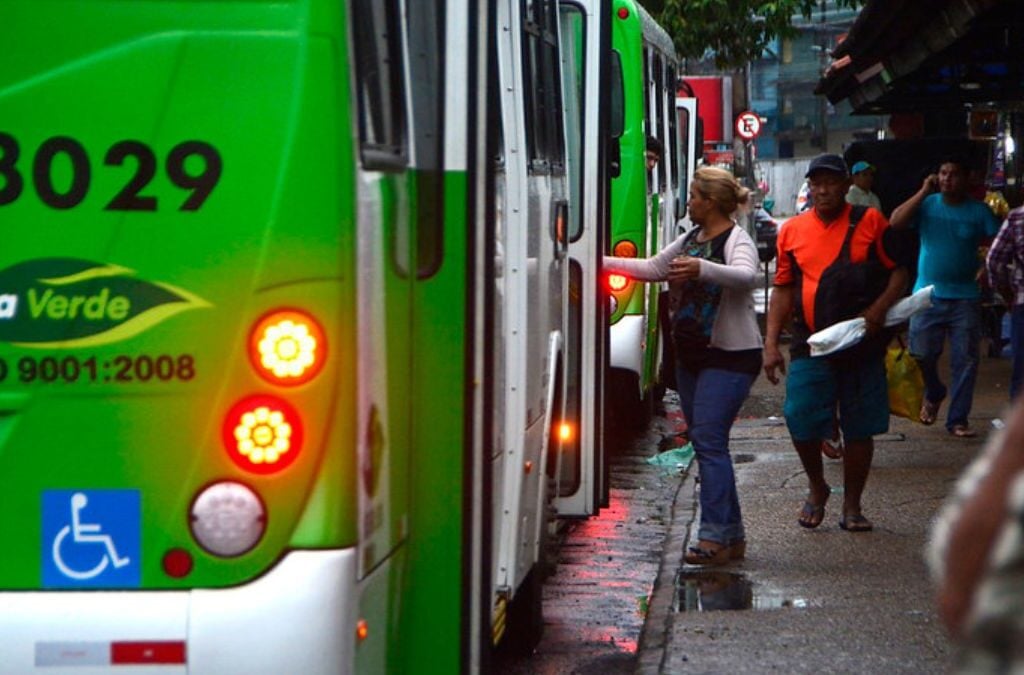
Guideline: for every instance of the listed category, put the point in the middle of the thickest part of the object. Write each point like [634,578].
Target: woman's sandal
[703,554]
[738,550]
[929,411]
[857,523]
[963,431]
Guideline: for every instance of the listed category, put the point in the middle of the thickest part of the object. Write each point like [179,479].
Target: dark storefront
[950,73]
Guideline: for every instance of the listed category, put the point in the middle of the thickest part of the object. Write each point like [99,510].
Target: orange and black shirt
[807,247]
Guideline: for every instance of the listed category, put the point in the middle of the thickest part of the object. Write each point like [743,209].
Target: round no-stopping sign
[748,125]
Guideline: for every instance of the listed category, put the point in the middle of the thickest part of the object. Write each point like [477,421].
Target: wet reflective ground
[596,602]
[714,590]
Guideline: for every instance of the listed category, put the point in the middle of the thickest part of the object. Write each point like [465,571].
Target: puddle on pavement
[713,590]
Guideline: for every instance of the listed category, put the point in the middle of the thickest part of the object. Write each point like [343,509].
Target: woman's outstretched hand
[684,268]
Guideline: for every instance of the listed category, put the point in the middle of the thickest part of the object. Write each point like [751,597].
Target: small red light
[262,434]
[624,249]
[623,13]
[362,630]
[617,282]
[177,563]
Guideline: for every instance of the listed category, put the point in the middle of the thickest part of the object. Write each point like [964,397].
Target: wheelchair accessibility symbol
[91,538]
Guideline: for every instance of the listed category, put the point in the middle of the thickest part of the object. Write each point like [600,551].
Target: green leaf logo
[68,302]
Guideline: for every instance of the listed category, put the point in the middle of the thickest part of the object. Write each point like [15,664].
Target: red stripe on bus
[147,652]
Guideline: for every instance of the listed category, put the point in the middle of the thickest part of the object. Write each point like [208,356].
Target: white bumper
[298,618]
[628,343]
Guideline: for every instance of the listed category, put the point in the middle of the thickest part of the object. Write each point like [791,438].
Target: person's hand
[874,321]
[684,268]
[931,182]
[772,360]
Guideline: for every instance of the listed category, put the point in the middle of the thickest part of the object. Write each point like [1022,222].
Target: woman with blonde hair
[711,271]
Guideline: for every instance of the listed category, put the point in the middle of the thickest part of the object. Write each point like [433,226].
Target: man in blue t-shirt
[951,225]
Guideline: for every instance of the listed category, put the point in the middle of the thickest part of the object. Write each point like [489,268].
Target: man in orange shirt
[831,269]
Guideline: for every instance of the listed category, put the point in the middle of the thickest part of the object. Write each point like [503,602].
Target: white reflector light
[227,519]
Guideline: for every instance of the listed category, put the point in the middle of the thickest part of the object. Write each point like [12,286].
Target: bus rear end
[176,334]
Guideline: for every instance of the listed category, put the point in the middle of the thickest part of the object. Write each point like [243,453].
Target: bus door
[689,144]
[580,477]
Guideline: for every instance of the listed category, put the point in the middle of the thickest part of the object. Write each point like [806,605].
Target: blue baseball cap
[862,166]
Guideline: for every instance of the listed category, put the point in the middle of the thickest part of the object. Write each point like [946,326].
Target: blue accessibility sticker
[91,539]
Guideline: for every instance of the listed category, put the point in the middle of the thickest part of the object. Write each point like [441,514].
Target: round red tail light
[625,249]
[262,434]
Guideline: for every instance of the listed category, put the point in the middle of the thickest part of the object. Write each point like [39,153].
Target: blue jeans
[710,400]
[961,320]
[1017,347]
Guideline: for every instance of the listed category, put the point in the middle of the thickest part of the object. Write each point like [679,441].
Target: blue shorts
[813,387]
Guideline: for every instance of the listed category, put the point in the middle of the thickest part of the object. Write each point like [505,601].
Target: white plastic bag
[848,333]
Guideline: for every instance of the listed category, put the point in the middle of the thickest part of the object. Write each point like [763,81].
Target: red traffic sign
[748,125]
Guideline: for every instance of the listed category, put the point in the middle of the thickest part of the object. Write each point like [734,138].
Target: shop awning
[914,55]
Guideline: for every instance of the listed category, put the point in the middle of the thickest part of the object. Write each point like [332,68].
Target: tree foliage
[734,32]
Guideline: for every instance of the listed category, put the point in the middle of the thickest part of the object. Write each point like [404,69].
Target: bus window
[683,125]
[425,37]
[574,52]
[647,93]
[659,115]
[617,114]
[672,151]
[379,77]
[544,132]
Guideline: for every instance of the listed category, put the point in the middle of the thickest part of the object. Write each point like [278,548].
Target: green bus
[644,206]
[294,362]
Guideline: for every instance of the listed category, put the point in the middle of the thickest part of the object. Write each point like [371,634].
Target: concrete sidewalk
[821,600]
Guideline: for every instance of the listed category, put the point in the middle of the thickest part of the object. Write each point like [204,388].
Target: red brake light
[624,249]
[617,282]
[287,347]
[262,434]
[623,13]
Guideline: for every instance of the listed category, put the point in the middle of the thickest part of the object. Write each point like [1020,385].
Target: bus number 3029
[200,181]
[117,369]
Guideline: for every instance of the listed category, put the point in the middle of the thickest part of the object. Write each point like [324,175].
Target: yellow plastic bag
[906,385]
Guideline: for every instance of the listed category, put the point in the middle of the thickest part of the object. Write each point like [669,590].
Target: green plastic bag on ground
[676,457]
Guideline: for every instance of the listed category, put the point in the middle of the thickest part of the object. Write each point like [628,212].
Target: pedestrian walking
[951,225]
[975,555]
[832,266]
[1005,267]
[711,271]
